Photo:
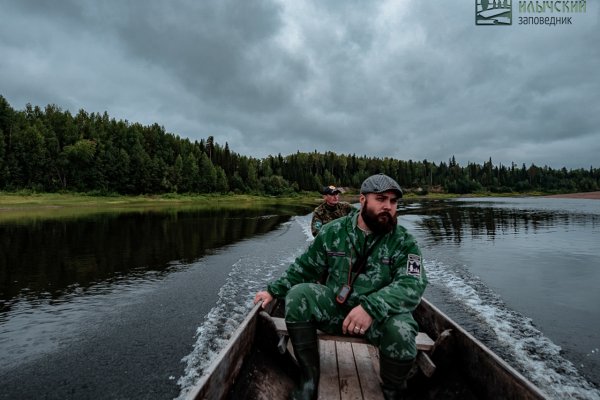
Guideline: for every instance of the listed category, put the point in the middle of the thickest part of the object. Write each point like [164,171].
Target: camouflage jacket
[392,281]
[325,213]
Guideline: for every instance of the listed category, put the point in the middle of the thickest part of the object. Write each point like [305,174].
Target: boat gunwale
[493,360]
[214,382]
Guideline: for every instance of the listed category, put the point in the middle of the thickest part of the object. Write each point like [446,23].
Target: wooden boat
[452,365]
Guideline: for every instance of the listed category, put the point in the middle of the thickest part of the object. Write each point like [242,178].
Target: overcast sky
[408,79]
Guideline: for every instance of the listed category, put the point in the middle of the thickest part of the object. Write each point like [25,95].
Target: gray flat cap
[380,183]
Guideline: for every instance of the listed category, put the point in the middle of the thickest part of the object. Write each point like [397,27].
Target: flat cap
[380,183]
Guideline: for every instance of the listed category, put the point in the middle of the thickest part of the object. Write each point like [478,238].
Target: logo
[493,12]
[413,265]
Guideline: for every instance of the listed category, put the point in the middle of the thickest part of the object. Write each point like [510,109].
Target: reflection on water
[106,306]
[527,271]
[54,257]
[456,220]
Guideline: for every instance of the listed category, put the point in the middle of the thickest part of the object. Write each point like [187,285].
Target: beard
[381,223]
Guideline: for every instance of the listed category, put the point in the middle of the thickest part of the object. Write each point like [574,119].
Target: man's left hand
[357,321]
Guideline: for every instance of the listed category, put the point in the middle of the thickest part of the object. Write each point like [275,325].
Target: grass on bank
[15,206]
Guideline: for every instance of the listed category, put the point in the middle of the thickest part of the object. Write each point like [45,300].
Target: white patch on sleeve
[413,265]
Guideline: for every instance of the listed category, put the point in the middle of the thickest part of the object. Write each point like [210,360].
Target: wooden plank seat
[350,365]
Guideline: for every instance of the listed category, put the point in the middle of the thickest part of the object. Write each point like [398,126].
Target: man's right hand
[263,296]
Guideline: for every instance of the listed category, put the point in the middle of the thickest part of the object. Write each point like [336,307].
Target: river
[134,306]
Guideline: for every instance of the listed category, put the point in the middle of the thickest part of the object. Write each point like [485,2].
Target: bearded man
[375,280]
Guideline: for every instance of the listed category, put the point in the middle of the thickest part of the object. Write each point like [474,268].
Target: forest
[51,150]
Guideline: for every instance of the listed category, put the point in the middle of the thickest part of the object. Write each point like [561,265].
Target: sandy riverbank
[585,195]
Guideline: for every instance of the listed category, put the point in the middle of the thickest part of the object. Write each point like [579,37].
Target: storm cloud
[404,79]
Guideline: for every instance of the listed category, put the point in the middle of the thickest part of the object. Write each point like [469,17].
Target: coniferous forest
[50,150]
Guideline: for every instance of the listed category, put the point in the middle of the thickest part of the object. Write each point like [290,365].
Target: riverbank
[585,195]
[15,206]
[57,205]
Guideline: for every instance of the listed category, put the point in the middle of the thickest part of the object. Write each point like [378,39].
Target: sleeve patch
[413,265]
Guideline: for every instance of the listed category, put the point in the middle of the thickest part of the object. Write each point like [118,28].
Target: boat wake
[261,261]
[514,336]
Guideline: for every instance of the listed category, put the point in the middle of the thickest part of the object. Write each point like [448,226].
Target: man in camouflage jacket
[331,208]
[375,280]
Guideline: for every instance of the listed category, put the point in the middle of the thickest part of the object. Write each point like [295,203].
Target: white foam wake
[536,356]
[248,275]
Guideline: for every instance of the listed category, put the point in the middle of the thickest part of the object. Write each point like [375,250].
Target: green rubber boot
[393,374]
[303,336]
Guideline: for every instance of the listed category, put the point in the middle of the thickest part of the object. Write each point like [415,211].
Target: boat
[258,363]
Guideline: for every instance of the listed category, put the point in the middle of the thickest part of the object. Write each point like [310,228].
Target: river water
[134,306]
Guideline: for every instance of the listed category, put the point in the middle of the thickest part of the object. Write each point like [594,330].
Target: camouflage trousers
[311,302]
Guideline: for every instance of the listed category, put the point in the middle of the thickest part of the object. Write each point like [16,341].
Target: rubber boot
[393,374]
[303,336]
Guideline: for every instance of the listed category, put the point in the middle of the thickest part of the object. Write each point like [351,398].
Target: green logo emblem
[493,12]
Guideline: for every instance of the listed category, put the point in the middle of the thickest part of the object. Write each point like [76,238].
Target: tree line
[51,150]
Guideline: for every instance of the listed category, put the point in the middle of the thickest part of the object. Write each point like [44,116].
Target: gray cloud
[404,79]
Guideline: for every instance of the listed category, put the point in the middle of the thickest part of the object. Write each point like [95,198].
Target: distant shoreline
[584,195]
